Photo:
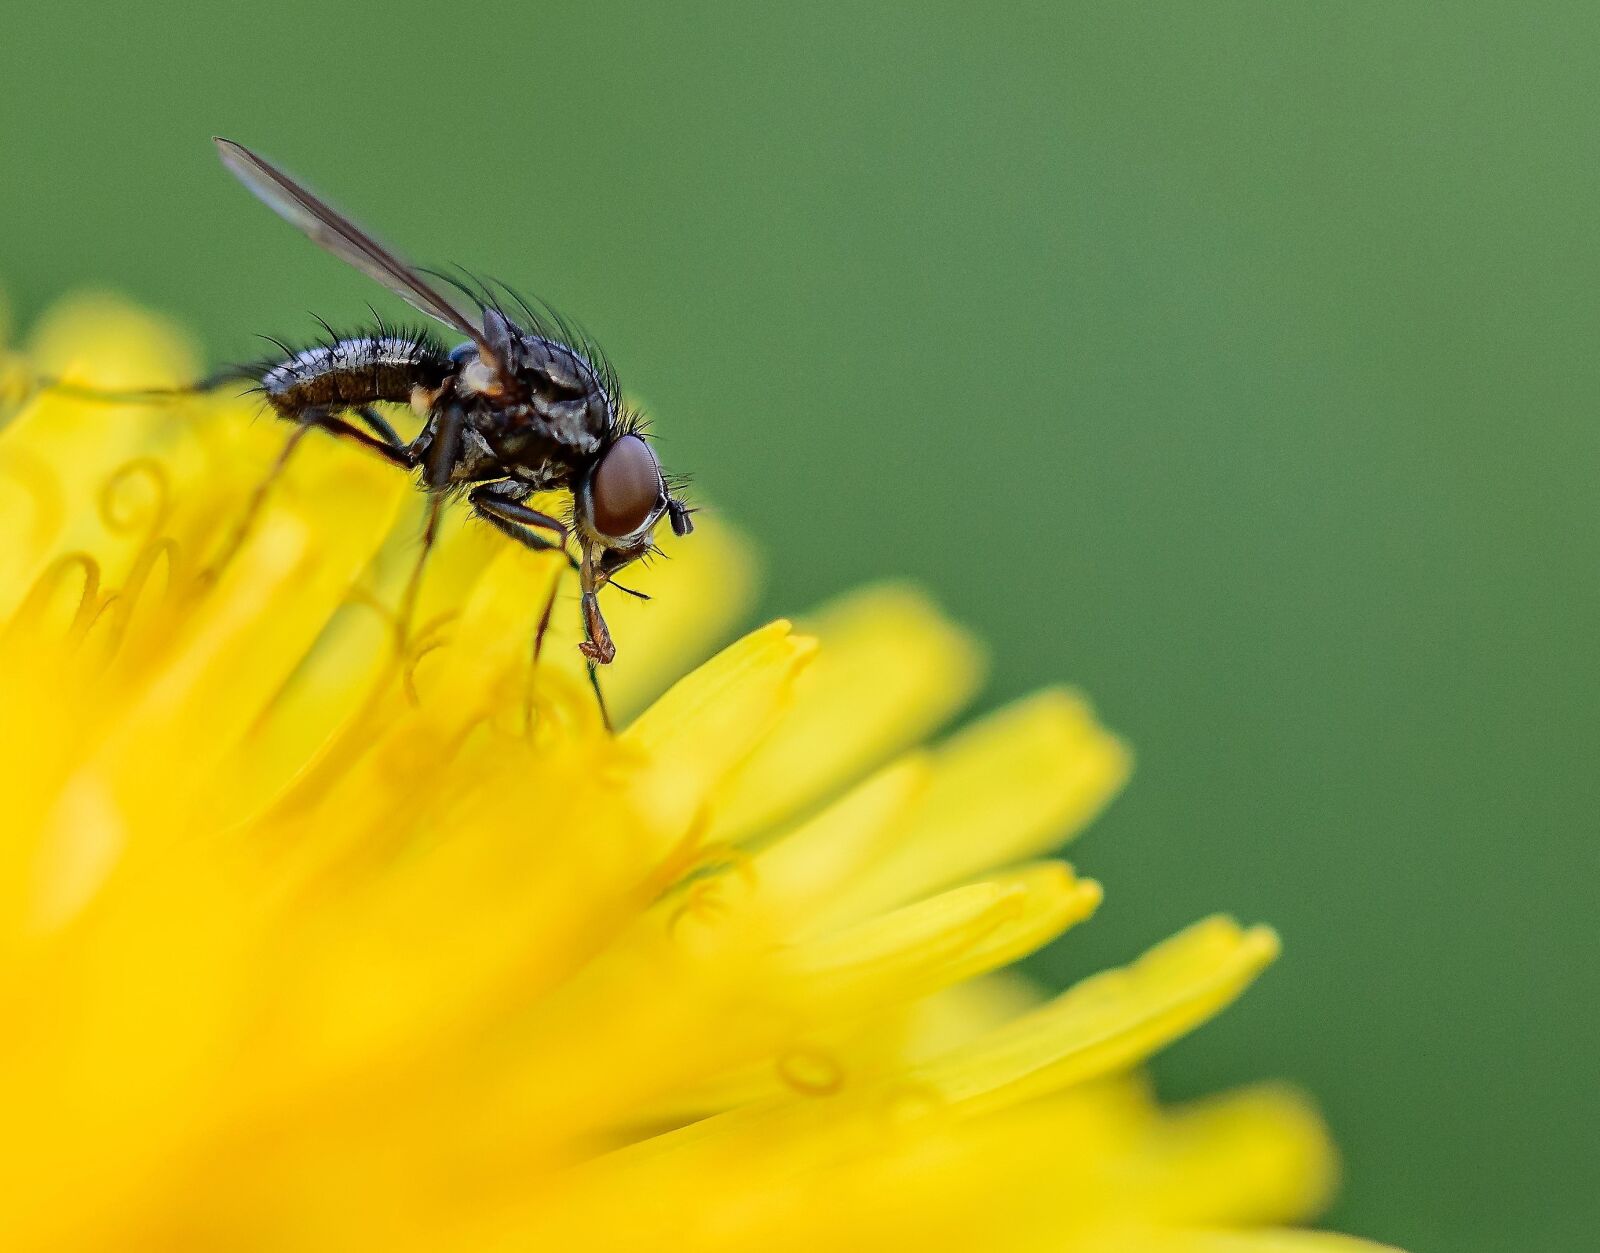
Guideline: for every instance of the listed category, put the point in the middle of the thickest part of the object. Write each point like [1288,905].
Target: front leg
[500,505]
[597,645]
[597,648]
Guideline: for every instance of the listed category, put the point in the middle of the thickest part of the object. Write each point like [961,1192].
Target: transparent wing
[343,238]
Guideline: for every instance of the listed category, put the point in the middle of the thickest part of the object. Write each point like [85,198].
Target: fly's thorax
[554,421]
[548,373]
[531,435]
[565,393]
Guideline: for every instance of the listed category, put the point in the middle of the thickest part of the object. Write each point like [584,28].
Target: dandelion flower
[307,943]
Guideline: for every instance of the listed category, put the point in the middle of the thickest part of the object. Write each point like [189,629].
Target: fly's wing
[343,238]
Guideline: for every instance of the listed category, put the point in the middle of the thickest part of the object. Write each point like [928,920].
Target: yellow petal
[799,870]
[911,951]
[1248,1242]
[333,946]
[99,340]
[710,721]
[892,668]
[870,975]
[699,590]
[486,647]
[58,450]
[1247,1158]
[958,1015]
[1011,787]
[228,661]
[1108,1022]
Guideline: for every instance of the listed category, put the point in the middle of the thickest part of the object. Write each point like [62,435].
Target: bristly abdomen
[357,370]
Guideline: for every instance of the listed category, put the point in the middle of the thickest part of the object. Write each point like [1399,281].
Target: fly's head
[619,503]
[620,495]
[616,507]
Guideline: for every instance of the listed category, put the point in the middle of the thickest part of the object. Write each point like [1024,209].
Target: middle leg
[442,440]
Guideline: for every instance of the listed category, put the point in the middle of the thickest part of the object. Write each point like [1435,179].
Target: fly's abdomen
[355,371]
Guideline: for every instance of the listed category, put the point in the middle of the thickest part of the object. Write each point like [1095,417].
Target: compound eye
[626,488]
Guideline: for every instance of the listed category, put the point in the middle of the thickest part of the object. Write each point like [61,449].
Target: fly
[512,410]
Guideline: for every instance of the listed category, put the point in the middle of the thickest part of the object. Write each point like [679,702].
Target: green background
[1236,362]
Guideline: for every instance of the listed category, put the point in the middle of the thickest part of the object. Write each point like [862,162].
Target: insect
[510,411]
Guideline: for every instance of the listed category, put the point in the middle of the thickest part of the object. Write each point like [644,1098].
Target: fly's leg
[379,426]
[383,441]
[443,444]
[18,386]
[600,697]
[596,647]
[530,686]
[500,505]
[317,419]
[252,507]
[140,395]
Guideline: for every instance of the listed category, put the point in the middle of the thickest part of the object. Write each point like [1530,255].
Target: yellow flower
[305,945]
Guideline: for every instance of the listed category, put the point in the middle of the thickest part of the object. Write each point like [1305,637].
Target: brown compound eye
[626,488]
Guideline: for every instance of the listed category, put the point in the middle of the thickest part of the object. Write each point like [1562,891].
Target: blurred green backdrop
[1234,361]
